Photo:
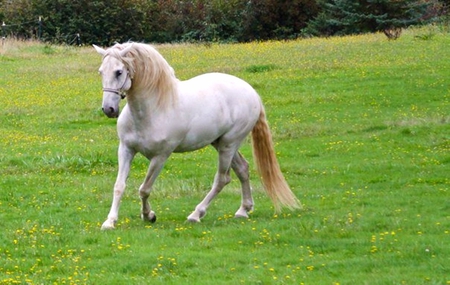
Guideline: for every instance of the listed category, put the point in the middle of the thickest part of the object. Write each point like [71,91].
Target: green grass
[362,133]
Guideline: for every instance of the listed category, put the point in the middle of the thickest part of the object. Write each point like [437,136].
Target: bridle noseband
[119,92]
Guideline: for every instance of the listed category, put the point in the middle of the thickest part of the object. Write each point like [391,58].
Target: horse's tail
[268,168]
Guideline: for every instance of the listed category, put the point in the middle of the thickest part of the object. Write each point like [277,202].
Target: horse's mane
[148,70]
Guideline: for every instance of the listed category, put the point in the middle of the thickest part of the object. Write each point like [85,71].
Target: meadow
[362,133]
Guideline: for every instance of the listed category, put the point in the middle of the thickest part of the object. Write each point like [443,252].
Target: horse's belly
[197,140]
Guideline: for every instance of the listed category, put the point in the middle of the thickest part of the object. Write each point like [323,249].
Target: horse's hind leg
[221,179]
[240,167]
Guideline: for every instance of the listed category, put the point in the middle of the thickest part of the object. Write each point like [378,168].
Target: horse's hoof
[241,213]
[108,225]
[150,217]
[193,218]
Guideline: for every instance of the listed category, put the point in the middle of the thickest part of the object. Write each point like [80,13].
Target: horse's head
[116,79]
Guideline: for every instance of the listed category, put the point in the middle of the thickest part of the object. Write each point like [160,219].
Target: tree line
[161,21]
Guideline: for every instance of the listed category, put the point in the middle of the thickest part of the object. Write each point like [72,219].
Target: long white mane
[149,71]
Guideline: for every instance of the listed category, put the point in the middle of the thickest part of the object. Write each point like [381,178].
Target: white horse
[164,115]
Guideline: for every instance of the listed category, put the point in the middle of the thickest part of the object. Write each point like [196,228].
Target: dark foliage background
[343,17]
[105,22]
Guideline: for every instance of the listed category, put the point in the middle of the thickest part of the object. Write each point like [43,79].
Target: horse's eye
[119,73]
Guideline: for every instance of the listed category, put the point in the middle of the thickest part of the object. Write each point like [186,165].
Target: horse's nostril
[110,112]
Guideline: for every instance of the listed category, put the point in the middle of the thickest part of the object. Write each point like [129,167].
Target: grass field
[362,132]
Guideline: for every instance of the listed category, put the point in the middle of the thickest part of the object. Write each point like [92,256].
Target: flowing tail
[268,168]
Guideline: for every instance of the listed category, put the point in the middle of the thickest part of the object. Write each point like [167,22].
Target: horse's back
[221,88]
[222,92]
[219,106]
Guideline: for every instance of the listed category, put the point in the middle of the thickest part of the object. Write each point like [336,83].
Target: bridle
[118,91]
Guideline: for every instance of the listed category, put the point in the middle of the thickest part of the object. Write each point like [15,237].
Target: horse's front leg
[126,156]
[156,165]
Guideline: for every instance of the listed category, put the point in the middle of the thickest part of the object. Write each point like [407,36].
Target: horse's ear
[125,50]
[99,50]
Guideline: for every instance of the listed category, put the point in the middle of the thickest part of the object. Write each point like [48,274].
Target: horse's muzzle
[110,104]
[110,112]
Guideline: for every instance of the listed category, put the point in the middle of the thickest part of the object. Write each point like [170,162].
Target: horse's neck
[143,105]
